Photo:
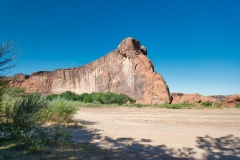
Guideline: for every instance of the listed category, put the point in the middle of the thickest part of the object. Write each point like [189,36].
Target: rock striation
[125,70]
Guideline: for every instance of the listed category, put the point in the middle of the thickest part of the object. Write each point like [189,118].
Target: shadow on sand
[124,148]
[227,147]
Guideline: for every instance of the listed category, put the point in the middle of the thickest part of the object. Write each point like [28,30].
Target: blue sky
[194,44]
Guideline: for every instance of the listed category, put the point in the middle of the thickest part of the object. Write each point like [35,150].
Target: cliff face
[125,70]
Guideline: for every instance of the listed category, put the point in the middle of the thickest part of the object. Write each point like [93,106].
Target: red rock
[231,101]
[125,70]
[190,98]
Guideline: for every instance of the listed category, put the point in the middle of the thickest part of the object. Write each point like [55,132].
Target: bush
[217,105]
[237,105]
[68,95]
[206,104]
[52,97]
[97,98]
[60,134]
[87,98]
[107,98]
[178,105]
[21,122]
[60,111]
[9,97]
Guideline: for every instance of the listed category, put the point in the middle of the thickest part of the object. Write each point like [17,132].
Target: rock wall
[125,70]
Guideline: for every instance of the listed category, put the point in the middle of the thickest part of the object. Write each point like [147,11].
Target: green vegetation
[22,117]
[59,111]
[96,98]
[206,104]
[237,105]
[179,105]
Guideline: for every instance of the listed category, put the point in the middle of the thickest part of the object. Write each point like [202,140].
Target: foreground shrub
[59,111]
[9,97]
[21,122]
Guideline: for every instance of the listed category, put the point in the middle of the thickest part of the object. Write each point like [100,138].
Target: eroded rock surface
[190,98]
[231,101]
[125,70]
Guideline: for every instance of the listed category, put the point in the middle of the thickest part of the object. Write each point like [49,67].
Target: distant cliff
[125,70]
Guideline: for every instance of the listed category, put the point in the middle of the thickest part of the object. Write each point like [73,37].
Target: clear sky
[194,44]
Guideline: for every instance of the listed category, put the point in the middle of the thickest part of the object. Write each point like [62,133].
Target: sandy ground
[156,133]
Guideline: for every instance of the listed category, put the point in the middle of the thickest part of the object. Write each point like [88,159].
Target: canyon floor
[156,133]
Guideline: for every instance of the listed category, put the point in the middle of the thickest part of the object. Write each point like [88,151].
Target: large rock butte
[125,70]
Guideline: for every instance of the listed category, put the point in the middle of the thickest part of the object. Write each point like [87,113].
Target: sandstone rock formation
[218,97]
[125,70]
[190,98]
[231,101]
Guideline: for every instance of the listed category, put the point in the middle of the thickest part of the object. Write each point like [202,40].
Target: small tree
[7,55]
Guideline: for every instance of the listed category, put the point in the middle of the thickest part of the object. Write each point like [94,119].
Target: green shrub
[9,97]
[178,105]
[237,105]
[87,98]
[68,95]
[21,122]
[25,116]
[96,98]
[59,111]
[60,134]
[217,105]
[52,97]
[206,104]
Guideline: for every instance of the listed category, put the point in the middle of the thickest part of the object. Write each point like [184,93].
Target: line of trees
[95,97]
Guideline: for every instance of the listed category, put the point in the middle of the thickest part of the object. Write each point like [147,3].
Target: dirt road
[182,133]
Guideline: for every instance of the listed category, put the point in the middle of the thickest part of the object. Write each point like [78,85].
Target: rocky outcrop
[190,98]
[125,70]
[218,97]
[231,101]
